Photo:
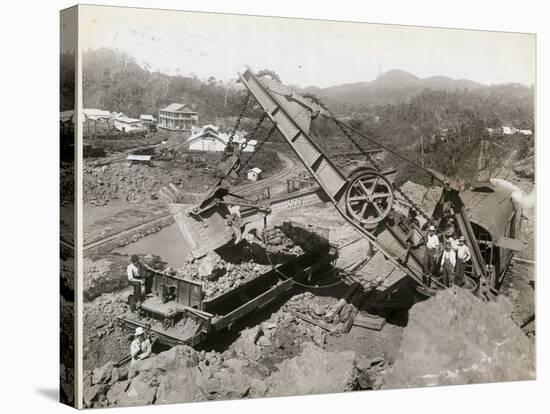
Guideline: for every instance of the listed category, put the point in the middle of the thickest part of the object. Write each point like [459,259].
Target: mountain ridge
[392,86]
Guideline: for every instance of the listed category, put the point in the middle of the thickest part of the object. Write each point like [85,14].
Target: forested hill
[114,81]
[450,116]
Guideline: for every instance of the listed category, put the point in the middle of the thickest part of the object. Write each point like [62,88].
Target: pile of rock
[219,276]
[104,339]
[455,338]
[185,375]
[135,182]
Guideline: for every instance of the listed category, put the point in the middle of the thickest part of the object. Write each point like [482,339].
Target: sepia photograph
[278,206]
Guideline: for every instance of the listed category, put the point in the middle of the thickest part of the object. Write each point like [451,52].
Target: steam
[526,201]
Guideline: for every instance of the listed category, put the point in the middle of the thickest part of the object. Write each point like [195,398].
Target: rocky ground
[283,355]
[295,347]
[124,181]
[455,338]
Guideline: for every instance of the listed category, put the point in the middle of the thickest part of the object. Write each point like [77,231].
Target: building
[147,119]
[210,139]
[92,114]
[506,130]
[177,117]
[254,174]
[126,124]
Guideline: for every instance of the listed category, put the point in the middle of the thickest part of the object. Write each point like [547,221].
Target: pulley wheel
[369,198]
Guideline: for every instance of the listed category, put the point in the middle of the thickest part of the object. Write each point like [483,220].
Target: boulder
[139,392]
[211,266]
[455,338]
[314,371]
[179,387]
[102,374]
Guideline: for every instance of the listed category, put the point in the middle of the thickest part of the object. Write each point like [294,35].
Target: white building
[177,117]
[126,124]
[210,139]
[254,174]
[93,114]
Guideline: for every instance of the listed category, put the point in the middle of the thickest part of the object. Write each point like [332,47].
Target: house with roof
[93,114]
[147,119]
[254,174]
[126,124]
[209,138]
[177,117]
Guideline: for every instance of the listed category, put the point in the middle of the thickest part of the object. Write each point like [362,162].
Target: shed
[139,159]
[147,119]
[126,124]
[254,174]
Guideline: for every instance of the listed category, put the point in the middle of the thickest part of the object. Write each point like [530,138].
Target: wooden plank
[369,322]
[356,303]
[344,300]
[315,322]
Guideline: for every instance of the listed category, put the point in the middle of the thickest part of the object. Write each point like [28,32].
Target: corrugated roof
[127,120]
[256,170]
[133,157]
[96,113]
[147,117]
[177,107]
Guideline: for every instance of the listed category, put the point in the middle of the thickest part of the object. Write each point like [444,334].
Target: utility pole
[422,148]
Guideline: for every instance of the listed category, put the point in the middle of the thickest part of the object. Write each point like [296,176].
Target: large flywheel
[369,198]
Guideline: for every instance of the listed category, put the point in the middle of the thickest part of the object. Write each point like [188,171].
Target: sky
[304,52]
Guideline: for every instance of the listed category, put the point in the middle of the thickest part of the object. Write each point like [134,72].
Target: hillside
[390,87]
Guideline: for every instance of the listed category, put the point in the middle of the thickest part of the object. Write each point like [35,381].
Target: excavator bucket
[204,232]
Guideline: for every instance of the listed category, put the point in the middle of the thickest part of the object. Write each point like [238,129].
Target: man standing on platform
[463,256]
[432,246]
[136,277]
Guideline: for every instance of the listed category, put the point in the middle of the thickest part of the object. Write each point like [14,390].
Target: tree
[270,73]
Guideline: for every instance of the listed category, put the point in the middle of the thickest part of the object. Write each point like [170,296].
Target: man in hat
[463,256]
[448,262]
[136,277]
[141,346]
[432,246]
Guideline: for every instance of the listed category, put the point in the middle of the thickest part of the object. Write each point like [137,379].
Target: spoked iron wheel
[369,198]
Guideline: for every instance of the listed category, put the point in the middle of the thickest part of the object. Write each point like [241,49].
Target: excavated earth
[278,353]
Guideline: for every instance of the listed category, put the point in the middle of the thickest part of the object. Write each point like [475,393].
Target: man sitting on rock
[141,346]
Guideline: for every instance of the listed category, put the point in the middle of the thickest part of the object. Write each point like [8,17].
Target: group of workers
[452,258]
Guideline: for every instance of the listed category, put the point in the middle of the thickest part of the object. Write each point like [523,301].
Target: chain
[378,167]
[248,137]
[237,124]
[260,145]
[238,166]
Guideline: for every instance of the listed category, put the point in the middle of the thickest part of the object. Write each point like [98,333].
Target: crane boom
[364,198]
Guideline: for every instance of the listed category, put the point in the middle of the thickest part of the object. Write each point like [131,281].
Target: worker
[463,256]
[448,263]
[432,247]
[136,277]
[453,239]
[141,346]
